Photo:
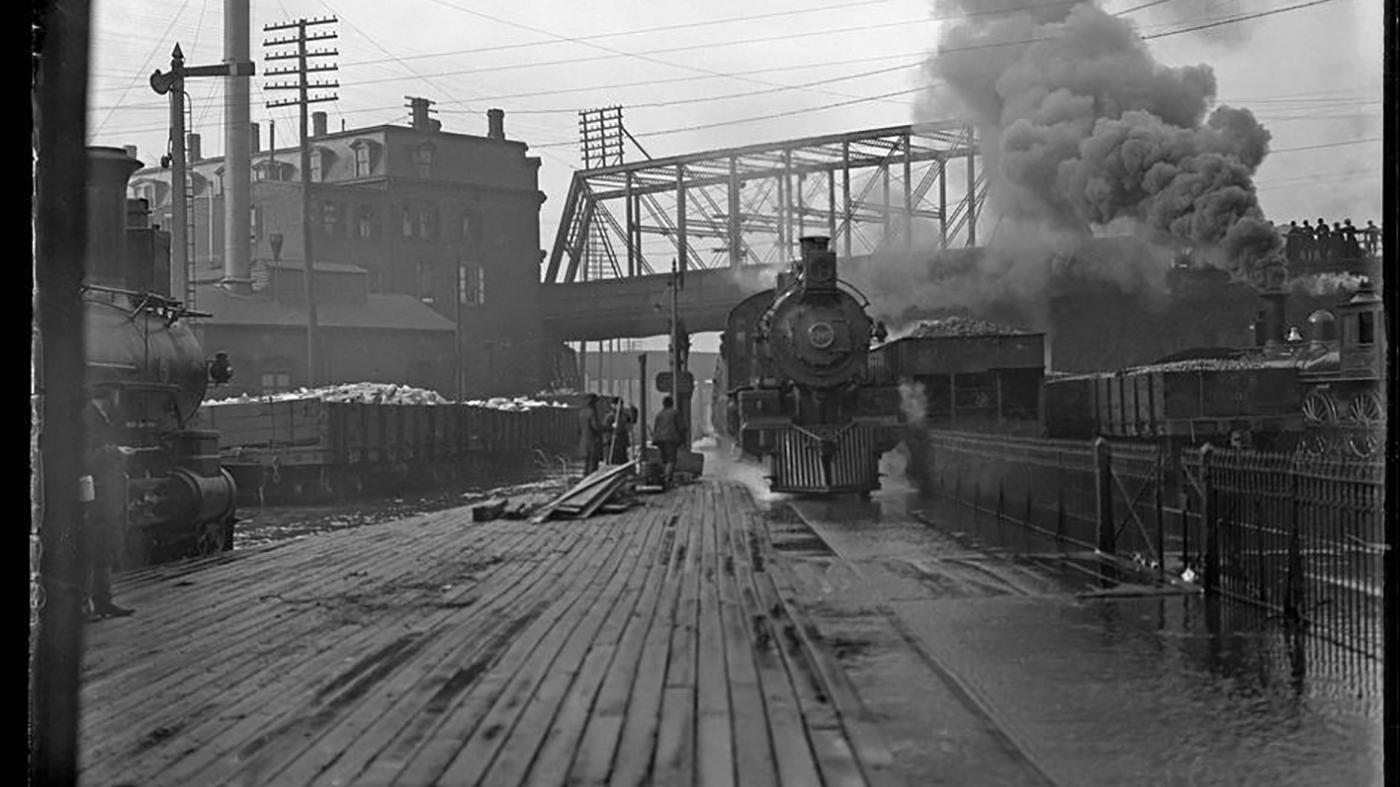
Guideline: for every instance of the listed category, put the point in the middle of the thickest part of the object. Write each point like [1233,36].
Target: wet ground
[990,667]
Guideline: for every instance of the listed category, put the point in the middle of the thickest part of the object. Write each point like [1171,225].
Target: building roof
[382,311]
[328,267]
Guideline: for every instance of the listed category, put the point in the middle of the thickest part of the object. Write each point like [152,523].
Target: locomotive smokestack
[109,169]
[1275,318]
[813,244]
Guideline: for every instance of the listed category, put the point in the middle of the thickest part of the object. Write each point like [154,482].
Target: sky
[698,76]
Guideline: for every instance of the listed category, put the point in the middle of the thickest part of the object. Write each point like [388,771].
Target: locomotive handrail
[854,290]
[149,299]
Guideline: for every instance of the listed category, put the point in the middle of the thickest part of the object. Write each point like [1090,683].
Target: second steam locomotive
[794,387]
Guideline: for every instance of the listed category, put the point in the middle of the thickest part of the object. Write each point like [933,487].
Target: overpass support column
[735,252]
[831,206]
[846,194]
[908,198]
[682,252]
[942,202]
[631,222]
[971,194]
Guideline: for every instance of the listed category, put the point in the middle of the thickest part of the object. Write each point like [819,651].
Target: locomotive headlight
[220,369]
[821,335]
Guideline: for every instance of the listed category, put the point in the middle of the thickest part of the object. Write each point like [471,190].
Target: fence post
[1293,580]
[1103,489]
[1161,518]
[1210,529]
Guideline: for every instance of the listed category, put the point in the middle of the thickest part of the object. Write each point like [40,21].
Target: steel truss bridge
[872,192]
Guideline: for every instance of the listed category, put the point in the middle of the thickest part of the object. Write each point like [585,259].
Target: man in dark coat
[590,438]
[666,434]
[102,493]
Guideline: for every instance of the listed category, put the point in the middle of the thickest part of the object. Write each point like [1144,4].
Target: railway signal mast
[303,86]
[172,83]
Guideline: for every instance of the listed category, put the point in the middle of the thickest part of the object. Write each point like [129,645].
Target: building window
[255,221]
[471,284]
[367,224]
[276,376]
[425,281]
[330,219]
[316,166]
[423,161]
[406,213]
[361,161]
[468,226]
[428,223]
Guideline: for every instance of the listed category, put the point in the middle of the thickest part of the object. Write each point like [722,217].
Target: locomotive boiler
[177,500]
[794,377]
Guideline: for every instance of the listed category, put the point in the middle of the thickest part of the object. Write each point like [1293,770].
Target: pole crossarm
[881,188]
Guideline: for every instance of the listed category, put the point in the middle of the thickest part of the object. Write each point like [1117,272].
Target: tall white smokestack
[238,255]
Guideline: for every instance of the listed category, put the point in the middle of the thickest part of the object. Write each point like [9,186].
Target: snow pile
[516,404]
[363,393]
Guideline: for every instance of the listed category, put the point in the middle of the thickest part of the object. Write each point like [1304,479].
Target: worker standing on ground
[102,494]
[621,435]
[666,435]
[590,436]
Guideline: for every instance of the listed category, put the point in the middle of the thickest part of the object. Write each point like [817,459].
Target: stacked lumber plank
[603,488]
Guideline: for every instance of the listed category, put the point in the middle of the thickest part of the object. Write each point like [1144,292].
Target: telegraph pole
[303,87]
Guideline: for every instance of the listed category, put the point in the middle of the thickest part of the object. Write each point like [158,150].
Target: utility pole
[303,87]
[173,84]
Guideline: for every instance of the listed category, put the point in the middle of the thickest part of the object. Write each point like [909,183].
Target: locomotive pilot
[102,492]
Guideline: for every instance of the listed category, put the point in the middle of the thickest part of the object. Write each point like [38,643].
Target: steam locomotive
[793,386]
[178,500]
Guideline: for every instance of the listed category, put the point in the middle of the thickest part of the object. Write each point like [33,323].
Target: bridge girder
[759,199]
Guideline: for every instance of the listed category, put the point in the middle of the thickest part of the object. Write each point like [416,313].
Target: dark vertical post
[971,193]
[682,250]
[942,202]
[1293,581]
[1209,525]
[846,193]
[60,246]
[831,207]
[631,223]
[642,410]
[1161,520]
[735,238]
[952,399]
[306,243]
[908,198]
[1103,496]
[457,370]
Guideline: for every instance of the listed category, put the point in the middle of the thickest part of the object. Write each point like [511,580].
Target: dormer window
[320,163]
[423,160]
[365,154]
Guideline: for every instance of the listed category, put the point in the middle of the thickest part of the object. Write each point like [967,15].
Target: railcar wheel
[1319,408]
[1367,408]
[1364,446]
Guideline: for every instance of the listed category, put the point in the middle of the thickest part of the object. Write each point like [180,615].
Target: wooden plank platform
[655,646]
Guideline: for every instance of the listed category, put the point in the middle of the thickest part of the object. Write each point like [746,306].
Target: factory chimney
[318,124]
[254,138]
[496,124]
[238,159]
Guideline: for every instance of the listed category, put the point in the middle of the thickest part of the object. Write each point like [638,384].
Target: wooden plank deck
[659,646]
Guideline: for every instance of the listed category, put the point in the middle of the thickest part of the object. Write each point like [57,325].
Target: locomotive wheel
[1367,409]
[1319,408]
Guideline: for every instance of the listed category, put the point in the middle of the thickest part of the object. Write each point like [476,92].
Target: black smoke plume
[1080,127]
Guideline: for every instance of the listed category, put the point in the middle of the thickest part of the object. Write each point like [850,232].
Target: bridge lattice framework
[883,189]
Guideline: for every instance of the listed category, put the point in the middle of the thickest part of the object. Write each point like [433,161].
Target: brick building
[417,225]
